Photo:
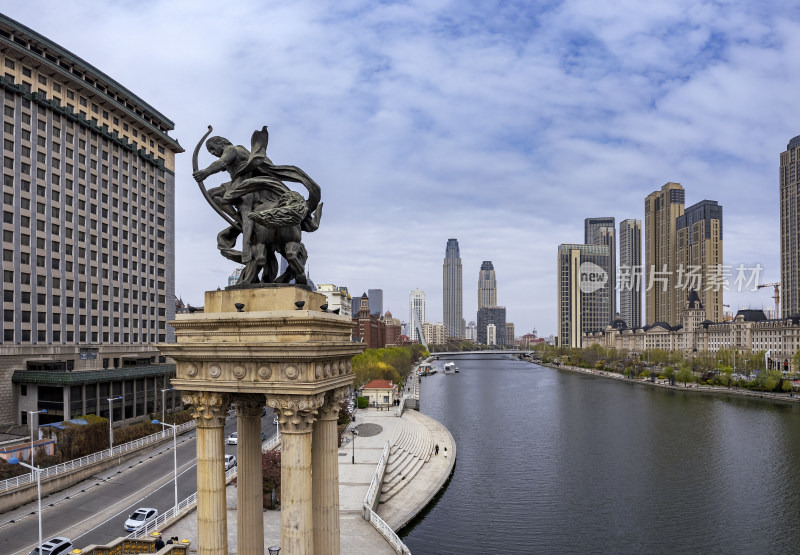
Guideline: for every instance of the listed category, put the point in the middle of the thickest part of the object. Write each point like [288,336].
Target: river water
[556,462]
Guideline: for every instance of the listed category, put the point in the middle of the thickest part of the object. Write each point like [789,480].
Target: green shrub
[363,402]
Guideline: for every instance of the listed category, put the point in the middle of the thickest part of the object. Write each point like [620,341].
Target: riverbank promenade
[413,437]
[664,383]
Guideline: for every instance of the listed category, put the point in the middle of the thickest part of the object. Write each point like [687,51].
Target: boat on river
[450,368]
[426,369]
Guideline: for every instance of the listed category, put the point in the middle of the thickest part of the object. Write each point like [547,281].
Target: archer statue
[261,208]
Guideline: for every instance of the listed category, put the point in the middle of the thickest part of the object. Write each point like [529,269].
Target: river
[557,462]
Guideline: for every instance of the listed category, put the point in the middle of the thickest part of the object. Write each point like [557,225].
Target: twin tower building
[682,253]
[491,328]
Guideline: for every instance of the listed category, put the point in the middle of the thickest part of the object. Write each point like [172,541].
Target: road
[94,511]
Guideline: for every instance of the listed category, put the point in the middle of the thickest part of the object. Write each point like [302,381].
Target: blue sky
[502,124]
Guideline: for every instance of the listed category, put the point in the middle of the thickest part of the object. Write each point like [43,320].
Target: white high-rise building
[472,331]
[416,313]
[491,334]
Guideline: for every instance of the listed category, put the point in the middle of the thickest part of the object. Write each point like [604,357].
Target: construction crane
[776,296]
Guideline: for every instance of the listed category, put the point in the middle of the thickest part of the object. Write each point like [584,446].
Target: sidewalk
[358,536]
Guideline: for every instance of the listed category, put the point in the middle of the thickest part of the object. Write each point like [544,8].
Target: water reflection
[554,462]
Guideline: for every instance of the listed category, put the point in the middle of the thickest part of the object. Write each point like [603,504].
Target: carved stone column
[325,477]
[210,409]
[250,514]
[296,416]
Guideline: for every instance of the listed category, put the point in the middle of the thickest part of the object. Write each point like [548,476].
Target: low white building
[338,298]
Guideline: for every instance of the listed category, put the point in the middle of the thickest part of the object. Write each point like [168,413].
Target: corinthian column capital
[333,399]
[248,404]
[209,408]
[296,412]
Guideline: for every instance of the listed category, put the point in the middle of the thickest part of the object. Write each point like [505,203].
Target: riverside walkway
[413,465]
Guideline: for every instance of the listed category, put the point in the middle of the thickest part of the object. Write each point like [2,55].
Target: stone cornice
[268,388]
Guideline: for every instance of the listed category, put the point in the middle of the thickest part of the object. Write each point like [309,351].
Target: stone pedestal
[290,358]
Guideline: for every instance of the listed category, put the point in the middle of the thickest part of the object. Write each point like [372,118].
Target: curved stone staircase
[412,446]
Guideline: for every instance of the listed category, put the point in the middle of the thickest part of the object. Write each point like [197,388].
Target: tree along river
[550,461]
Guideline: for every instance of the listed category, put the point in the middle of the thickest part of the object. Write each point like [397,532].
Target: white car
[54,546]
[233,439]
[140,517]
[230,461]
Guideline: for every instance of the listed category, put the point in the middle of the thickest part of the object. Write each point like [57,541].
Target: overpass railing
[69,466]
[371,502]
[271,443]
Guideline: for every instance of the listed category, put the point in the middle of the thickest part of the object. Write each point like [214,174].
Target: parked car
[263,436]
[230,461]
[233,439]
[54,547]
[140,517]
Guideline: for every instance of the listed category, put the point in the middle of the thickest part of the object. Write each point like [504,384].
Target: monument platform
[357,536]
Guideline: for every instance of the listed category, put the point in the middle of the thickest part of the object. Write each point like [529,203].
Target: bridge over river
[483,353]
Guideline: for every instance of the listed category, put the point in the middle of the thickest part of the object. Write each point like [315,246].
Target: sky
[503,124]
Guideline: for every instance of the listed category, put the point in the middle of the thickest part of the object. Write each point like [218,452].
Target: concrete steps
[411,448]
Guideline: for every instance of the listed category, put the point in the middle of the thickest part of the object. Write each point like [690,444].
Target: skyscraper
[487,285]
[495,316]
[416,313]
[88,236]
[375,301]
[663,300]
[630,272]
[582,291]
[699,253]
[789,184]
[452,283]
[601,231]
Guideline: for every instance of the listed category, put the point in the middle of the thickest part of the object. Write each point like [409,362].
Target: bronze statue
[261,208]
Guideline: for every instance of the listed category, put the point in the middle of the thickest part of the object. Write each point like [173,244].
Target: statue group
[259,206]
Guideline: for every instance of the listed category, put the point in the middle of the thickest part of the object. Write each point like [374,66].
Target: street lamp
[30,419]
[164,406]
[38,471]
[174,456]
[277,429]
[355,433]
[111,421]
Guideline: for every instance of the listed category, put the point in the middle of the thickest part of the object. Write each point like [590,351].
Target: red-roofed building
[380,393]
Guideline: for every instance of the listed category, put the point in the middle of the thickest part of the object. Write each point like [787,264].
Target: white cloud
[501,124]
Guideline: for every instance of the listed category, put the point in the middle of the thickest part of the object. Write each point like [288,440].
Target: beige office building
[510,334]
[88,231]
[630,272]
[789,182]
[699,255]
[663,301]
[583,299]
